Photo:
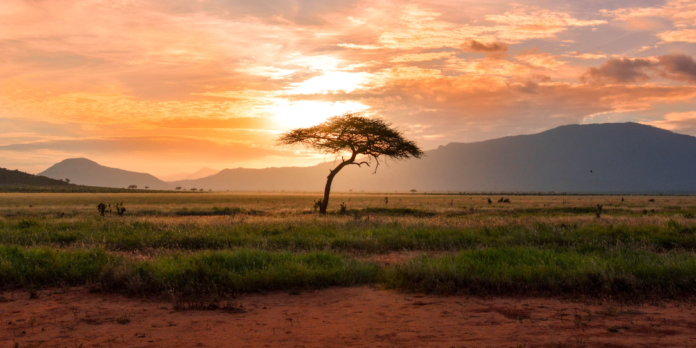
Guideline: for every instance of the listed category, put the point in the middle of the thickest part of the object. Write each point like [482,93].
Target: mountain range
[595,158]
[82,171]
[201,173]
[17,178]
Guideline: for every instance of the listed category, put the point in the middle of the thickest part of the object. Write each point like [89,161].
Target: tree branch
[377,166]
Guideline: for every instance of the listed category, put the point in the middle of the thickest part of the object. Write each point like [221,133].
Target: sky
[171,86]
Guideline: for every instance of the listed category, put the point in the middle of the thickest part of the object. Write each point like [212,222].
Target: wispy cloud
[213,82]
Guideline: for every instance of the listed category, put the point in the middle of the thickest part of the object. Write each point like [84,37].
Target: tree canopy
[355,134]
[351,133]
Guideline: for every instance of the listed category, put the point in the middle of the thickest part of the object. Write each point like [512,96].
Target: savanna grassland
[639,248]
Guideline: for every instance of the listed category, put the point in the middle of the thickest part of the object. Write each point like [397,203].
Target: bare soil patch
[358,317]
[399,257]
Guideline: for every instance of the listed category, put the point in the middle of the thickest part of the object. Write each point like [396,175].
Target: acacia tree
[369,138]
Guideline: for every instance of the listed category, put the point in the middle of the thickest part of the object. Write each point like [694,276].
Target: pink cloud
[226,71]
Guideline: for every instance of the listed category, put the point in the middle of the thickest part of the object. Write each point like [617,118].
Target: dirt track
[358,317]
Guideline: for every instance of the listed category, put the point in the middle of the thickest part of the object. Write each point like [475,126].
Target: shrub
[102,208]
[120,209]
[317,204]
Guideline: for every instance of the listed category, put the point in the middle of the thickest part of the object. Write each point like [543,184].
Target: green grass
[212,243]
[532,271]
[343,234]
[502,271]
[40,267]
[211,272]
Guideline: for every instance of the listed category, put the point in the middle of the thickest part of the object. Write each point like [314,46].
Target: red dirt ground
[356,317]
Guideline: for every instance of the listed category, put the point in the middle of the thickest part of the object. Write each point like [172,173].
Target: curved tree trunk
[329,180]
[327,191]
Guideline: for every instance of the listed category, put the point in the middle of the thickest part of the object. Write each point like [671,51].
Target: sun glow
[332,81]
[291,114]
[309,113]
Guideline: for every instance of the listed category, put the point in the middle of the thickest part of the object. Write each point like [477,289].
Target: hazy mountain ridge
[17,178]
[601,158]
[85,172]
[201,173]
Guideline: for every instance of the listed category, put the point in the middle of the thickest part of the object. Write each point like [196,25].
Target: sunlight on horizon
[220,80]
[308,113]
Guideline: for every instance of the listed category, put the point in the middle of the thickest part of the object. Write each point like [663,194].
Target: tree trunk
[327,191]
[329,180]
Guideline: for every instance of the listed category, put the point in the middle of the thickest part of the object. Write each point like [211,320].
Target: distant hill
[267,179]
[596,158]
[201,173]
[17,178]
[85,172]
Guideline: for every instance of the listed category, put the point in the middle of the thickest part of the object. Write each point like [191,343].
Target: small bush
[120,209]
[101,207]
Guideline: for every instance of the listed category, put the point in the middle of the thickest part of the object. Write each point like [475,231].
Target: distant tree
[194,189]
[414,190]
[178,188]
[147,187]
[132,187]
[370,138]
[67,180]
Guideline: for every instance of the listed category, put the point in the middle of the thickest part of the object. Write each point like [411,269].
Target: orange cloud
[541,60]
[682,14]
[683,122]
[625,70]
[421,57]
[578,55]
[102,78]
[622,70]
[684,35]
[475,46]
